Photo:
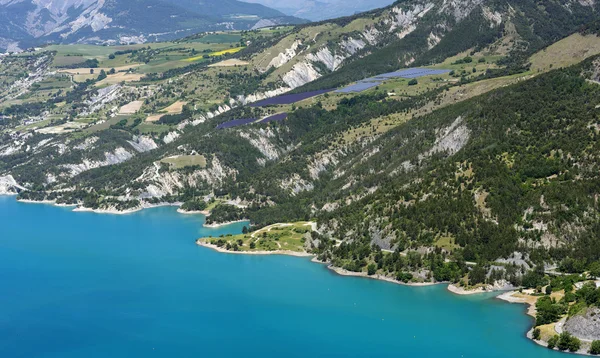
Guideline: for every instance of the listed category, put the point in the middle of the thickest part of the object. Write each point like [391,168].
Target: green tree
[371,269]
[553,341]
[537,334]
[567,342]
[595,348]
[594,269]
[477,275]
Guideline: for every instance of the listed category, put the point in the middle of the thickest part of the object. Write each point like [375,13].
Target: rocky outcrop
[104,96]
[295,184]
[9,186]
[142,144]
[285,56]
[118,156]
[171,136]
[260,139]
[37,72]
[87,143]
[162,183]
[326,57]
[301,74]
[321,162]
[259,96]
[451,139]
[585,325]
[406,18]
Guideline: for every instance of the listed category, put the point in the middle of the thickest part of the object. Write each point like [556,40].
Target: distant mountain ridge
[324,9]
[25,23]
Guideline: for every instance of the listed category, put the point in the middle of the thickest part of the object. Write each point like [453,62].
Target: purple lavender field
[236,123]
[289,98]
[374,81]
[275,118]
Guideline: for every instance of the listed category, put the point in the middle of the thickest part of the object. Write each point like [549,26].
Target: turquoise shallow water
[89,285]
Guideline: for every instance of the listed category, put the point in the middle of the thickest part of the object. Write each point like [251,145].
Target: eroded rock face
[8,185]
[586,325]
[164,183]
[301,74]
[143,144]
[118,156]
[261,140]
[285,56]
[451,139]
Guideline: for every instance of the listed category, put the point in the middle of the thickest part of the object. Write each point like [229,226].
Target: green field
[182,161]
[285,237]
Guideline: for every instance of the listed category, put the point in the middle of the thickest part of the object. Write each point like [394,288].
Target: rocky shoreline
[199,242]
[531,311]
[192,212]
[111,211]
[343,272]
[216,225]
[507,295]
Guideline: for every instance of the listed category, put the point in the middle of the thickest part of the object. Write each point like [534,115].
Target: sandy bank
[202,212]
[462,291]
[224,224]
[144,205]
[200,242]
[343,272]
[108,211]
[517,297]
[26,201]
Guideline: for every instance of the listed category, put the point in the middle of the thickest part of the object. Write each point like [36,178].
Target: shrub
[567,342]
[371,269]
[537,334]
[595,348]
[552,341]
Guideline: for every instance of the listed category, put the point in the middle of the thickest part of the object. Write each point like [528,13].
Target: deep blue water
[89,285]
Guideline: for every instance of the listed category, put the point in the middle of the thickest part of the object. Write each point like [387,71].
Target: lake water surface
[90,285]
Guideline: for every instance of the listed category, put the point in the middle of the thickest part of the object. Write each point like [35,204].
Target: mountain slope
[324,9]
[494,162]
[418,32]
[28,22]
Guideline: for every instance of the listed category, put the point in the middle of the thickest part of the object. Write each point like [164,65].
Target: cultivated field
[182,161]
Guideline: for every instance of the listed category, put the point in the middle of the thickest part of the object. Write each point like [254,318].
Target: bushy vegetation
[194,205]
[595,348]
[225,213]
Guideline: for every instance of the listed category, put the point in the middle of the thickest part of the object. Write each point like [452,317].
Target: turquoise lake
[90,285]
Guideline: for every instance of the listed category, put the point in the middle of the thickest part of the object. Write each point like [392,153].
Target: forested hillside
[29,23]
[486,164]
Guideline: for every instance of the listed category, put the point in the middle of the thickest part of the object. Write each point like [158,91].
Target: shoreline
[212,226]
[463,292]
[343,272]
[196,212]
[276,252]
[505,295]
[111,211]
[107,211]
[340,271]
[531,311]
